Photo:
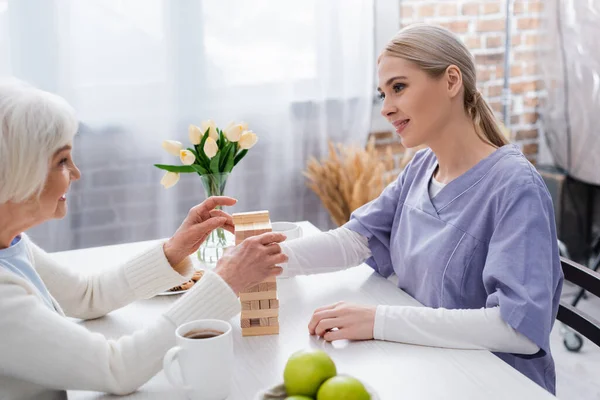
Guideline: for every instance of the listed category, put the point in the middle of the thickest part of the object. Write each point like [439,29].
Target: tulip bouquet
[214,151]
[213,155]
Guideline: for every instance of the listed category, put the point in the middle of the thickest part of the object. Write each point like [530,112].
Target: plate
[196,277]
[278,392]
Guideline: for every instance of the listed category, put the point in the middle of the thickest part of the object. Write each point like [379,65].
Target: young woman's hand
[343,321]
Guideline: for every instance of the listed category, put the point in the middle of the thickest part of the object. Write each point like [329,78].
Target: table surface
[393,370]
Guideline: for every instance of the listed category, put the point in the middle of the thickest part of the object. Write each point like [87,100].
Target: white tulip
[195,134]
[210,147]
[172,146]
[187,157]
[170,179]
[234,132]
[212,133]
[247,140]
[244,126]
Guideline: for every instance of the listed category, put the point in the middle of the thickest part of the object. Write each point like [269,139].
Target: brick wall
[481,25]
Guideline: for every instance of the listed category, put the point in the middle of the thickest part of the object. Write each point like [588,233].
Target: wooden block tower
[260,306]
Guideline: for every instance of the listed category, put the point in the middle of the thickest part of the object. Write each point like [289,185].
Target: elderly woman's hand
[199,223]
[252,261]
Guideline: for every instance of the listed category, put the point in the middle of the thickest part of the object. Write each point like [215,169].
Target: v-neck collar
[461,184]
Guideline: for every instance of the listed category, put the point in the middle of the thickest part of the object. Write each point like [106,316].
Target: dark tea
[202,334]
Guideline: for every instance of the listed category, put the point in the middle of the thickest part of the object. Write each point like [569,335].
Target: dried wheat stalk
[349,178]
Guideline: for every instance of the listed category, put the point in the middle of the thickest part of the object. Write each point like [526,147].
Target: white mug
[289,229]
[206,364]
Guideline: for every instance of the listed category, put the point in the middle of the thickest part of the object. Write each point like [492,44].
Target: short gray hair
[34,124]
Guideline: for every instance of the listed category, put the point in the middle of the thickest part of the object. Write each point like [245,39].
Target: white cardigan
[42,353]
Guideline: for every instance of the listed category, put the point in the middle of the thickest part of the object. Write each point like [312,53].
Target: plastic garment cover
[570,64]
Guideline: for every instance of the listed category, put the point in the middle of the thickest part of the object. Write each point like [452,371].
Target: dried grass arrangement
[349,177]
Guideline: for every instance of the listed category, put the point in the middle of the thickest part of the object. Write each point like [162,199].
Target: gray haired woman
[42,353]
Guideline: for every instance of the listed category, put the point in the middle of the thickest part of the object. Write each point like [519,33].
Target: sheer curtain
[299,72]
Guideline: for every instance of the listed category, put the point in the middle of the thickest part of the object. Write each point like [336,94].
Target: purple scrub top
[487,239]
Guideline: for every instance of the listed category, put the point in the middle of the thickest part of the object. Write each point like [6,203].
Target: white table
[394,370]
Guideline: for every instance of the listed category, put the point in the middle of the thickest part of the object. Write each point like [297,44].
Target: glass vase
[213,247]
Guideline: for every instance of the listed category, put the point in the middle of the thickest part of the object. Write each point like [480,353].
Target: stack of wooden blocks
[260,306]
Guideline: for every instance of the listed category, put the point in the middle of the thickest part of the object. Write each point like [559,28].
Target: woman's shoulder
[513,172]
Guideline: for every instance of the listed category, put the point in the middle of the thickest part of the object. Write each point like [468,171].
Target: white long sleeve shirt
[42,353]
[481,329]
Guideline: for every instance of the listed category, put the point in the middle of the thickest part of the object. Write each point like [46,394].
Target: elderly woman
[42,353]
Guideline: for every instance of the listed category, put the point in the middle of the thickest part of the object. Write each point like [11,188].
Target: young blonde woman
[468,227]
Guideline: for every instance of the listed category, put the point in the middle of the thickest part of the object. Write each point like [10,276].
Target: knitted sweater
[43,353]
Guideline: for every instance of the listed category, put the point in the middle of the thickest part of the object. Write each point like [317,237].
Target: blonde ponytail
[433,49]
[484,120]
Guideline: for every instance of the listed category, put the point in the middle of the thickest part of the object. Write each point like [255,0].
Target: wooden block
[273,321]
[268,313]
[271,286]
[246,305]
[250,217]
[263,287]
[264,304]
[258,296]
[245,323]
[257,217]
[252,289]
[263,226]
[271,279]
[245,229]
[255,305]
[260,331]
[264,322]
[243,232]
[241,236]
[273,303]
[238,218]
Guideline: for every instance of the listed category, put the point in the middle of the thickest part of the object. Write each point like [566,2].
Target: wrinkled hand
[350,321]
[199,223]
[252,261]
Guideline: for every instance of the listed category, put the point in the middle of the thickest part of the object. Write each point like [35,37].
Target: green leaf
[221,139]
[203,160]
[176,168]
[229,164]
[239,157]
[203,141]
[226,153]
[214,163]
[199,169]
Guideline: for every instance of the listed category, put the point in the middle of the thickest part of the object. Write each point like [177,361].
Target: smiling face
[62,171]
[415,103]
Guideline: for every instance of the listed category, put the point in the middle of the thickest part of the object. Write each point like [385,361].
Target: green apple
[306,370]
[343,388]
